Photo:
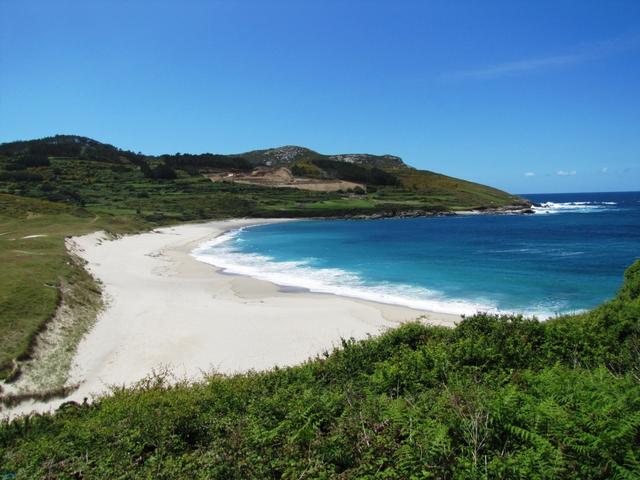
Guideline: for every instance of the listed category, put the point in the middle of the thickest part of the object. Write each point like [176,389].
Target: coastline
[165,310]
[528,209]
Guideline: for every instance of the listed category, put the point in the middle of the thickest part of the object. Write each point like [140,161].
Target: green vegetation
[171,188]
[496,397]
[308,170]
[356,173]
[447,191]
[35,266]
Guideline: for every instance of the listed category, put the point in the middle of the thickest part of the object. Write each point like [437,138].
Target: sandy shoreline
[165,309]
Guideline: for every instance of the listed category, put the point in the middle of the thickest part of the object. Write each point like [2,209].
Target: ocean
[567,257]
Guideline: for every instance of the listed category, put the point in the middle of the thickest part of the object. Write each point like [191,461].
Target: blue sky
[527,96]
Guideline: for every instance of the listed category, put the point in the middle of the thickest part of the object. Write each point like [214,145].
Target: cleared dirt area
[283,178]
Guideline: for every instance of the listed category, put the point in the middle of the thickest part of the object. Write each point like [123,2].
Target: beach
[165,310]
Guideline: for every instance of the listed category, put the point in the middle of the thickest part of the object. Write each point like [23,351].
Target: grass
[51,354]
[453,192]
[122,188]
[34,269]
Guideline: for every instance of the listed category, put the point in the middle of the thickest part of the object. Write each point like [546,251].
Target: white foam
[573,207]
[222,253]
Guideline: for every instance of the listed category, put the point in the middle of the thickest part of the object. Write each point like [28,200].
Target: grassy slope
[453,193]
[105,186]
[122,189]
[33,268]
[86,172]
[495,397]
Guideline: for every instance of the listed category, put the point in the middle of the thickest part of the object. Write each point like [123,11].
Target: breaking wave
[573,207]
[222,252]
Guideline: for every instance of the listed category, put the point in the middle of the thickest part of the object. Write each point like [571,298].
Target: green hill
[102,178]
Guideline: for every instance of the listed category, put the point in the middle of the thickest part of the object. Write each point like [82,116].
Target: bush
[39,159]
[47,187]
[20,176]
[496,397]
[119,168]
[164,172]
[15,164]
[66,195]
[207,161]
[356,173]
[306,169]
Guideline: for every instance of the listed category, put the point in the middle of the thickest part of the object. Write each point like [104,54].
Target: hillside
[38,276]
[496,397]
[103,178]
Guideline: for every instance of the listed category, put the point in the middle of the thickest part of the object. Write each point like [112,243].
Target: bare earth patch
[283,178]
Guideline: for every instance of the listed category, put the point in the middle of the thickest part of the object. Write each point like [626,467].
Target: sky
[527,96]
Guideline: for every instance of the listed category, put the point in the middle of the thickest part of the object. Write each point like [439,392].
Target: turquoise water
[567,257]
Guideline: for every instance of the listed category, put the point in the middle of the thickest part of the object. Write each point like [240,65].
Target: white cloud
[584,53]
[530,174]
[565,173]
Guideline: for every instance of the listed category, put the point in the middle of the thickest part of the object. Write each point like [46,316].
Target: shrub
[20,176]
[356,173]
[38,159]
[164,172]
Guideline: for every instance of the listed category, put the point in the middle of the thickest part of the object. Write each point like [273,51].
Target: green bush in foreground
[496,397]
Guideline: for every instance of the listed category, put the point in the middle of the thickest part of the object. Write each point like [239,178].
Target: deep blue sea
[567,257]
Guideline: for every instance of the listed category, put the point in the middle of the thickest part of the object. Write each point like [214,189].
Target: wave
[222,252]
[552,252]
[573,207]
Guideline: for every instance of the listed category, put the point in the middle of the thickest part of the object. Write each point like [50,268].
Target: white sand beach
[165,309]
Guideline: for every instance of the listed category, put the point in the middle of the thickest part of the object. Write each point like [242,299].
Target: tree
[164,172]
[36,159]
